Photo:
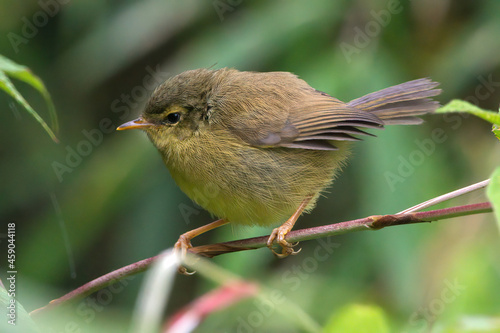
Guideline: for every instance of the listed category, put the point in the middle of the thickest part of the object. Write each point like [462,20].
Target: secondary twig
[368,223]
[447,196]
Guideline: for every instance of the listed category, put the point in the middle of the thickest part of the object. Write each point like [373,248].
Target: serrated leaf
[10,68]
[493,193]
[358,318]
[458,105]
[23,321]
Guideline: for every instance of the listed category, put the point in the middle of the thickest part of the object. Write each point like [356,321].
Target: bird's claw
[279,235]
[182,270]
[181,247]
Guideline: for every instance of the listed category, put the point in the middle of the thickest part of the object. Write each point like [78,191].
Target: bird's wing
[316,122]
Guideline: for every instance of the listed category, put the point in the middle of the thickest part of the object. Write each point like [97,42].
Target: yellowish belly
[254,186]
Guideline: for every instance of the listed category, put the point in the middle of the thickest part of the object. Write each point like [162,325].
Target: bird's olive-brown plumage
[250,147]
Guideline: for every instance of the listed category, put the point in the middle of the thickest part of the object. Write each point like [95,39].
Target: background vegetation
[114,202]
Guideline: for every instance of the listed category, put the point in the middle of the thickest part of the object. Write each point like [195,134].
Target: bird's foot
[184,242]
[279,235]
[181,247]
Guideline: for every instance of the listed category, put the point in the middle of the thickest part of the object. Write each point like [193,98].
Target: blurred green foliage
[100,199]
[10,68]
[358,318]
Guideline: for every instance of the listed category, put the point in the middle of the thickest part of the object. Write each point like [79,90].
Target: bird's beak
[137,123]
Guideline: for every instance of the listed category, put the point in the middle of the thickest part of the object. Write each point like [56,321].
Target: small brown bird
[264,145]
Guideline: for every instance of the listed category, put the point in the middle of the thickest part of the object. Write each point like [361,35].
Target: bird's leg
[184,242]
[279,233]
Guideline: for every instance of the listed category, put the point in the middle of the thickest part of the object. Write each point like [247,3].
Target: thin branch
[375,222]
[447,196]
[98,284]
[369,223]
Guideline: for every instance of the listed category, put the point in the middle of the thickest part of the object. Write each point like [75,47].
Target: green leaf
[457,105]
[496,131]
[493,193]
[10,68]
[23,321]
[358,318]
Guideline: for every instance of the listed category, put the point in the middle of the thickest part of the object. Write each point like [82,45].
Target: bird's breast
[245,184]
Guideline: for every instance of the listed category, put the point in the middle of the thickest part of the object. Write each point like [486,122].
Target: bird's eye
[173,118]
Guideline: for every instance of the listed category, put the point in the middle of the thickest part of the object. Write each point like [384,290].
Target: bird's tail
[401,104]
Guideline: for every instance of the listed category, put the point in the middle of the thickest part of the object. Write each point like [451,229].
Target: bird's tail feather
[401,104]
